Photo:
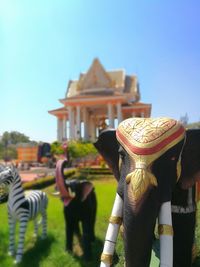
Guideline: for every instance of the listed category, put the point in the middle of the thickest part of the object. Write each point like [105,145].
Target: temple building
[96,100]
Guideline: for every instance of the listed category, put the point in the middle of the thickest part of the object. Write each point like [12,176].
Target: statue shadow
[41,249]
[97,247]
[196,262]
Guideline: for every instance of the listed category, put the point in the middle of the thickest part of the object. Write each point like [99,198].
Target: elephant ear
[190,159]
[60,182]
[87,188]
[108,147]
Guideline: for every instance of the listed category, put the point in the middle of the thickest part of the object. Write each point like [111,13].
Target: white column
[92,129]
[142,114]
[119,112]
[133,114]
[64,121]
[59,129]
[67,128]
[71,122]
[86,125]
[78,122]
[110,115]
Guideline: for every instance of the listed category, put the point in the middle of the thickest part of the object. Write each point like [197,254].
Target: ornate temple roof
[98,81]
[98,87]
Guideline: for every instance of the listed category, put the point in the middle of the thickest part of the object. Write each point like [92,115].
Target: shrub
[78,149]
[46,181]
[56,148]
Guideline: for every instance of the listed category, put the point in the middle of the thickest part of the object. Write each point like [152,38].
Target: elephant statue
[146,157]
[80,205]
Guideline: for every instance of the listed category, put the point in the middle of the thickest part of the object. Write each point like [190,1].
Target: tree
[8,144]
[194,125]
[1,150]
[9,153]
[12,138]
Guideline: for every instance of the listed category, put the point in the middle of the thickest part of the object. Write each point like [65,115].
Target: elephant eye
[122,154]
[173,158]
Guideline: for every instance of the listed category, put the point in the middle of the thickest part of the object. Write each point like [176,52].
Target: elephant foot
[92,238]
[87,257]
[115,258]
[69,250]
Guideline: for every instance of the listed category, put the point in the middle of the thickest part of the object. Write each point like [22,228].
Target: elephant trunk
[139,224]
[166,235]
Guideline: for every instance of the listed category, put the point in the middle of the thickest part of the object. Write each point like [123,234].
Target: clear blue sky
[45,43]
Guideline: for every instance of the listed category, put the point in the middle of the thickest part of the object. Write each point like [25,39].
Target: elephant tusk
[165,231]
[56,194]
[112,232]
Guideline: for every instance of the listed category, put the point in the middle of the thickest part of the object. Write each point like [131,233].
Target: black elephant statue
[80,205]
[146,157]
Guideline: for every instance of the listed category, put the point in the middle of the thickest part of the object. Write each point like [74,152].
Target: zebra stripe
[22,206]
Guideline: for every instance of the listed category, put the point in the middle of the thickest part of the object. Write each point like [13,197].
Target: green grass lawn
[50,252]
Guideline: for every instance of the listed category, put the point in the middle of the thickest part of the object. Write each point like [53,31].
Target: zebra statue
[22,207]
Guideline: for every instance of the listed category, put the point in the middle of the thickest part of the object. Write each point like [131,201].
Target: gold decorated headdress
[145,140]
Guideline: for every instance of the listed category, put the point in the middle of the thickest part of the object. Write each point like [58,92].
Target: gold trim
[157,129]
[106,258]
[133,125]
[194,252]
[115,220]
[148,159]
[140,180]
[165,229]
[138,133]
[121,230]
[178,169]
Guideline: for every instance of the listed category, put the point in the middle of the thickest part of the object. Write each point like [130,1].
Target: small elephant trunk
[60,182]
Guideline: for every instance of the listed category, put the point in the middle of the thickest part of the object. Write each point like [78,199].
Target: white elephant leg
[112,232]
[166,235]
